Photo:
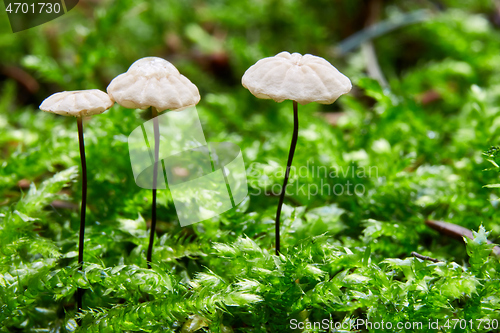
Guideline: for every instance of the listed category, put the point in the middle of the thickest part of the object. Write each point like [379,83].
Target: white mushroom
[78,104]
[153,82]
[302,79]
[156,83]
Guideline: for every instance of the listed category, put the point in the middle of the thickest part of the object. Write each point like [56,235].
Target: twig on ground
[380,29]
[419,256]
[456,231]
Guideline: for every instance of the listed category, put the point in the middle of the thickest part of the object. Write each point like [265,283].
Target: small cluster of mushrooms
[155,83]
[149,83]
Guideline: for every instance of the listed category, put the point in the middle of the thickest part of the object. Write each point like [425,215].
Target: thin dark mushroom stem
[288,166]
[155,180]
[79,291]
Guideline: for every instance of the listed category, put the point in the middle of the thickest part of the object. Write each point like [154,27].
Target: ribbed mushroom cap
[77,103]
[303,79]
[153,82]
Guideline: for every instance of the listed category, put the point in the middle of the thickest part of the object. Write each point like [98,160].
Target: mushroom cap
[153,81]
[303,79]
[77,103]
